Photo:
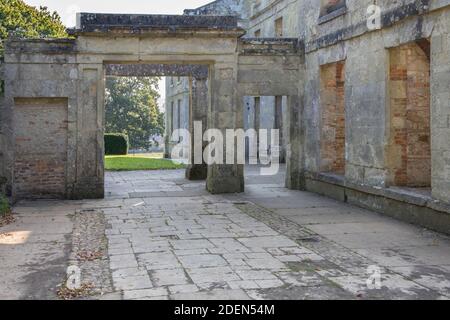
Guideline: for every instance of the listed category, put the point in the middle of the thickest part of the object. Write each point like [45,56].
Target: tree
[131,108]
[23,21]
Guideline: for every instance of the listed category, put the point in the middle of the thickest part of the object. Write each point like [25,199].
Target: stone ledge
[140,24]
[396,193]
[402,199]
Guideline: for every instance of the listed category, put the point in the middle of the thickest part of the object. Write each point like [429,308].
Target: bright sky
[67,9]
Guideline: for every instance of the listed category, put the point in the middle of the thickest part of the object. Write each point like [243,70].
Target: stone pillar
[90,182]
[225,113]
[440,114]
[279,125]
[295,174]
[168,130]
[198,112]
[257,122]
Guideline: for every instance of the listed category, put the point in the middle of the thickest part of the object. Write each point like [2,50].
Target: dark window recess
[332,5]
[332,9]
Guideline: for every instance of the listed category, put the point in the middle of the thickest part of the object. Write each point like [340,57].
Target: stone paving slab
[268,243]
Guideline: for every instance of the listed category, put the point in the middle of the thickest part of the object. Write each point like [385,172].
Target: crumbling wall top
[136,24]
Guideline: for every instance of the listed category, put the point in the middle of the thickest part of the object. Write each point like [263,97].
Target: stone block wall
[40,147]
[264,19]
[375,89]
[46,135]
[440,104]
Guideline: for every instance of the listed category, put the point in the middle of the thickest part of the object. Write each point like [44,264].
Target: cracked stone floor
[159,236]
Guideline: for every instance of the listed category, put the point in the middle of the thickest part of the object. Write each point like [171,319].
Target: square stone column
[440,115]
[90,169]
[225,113]
[295,174]
[279,124]
[198,112]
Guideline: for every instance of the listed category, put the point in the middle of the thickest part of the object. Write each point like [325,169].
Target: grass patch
[4,206]
[139,162]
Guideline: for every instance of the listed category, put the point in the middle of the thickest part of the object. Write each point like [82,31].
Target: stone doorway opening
[332,118]
[409,153]
[183,109]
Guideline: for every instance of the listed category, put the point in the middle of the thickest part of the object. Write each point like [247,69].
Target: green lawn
[4,206]
[140,162]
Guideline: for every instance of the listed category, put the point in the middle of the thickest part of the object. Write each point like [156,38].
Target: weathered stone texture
[410,152]
[198,113]
[386,109]
[75,70]
[40,147]
[375,125]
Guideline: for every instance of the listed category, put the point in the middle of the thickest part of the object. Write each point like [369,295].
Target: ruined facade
[367,116]
[54,103]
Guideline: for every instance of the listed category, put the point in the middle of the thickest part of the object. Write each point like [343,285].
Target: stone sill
[332,15]
[406,195]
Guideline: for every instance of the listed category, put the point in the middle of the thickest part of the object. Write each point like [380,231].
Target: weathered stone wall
[282,60]
[366,83]
[273,67]
[75,70]
[253,17]
[40,147]
[40,70]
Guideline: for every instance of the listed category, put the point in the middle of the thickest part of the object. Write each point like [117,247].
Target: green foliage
[135,163]
[20,20]
[4,205]
[131,108]
[116,144]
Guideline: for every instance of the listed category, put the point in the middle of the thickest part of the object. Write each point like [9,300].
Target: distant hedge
[116,144]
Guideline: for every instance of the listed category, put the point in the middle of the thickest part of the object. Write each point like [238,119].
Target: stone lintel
[152,70]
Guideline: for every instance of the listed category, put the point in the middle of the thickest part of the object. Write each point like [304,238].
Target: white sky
[67,9]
